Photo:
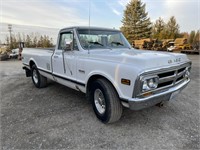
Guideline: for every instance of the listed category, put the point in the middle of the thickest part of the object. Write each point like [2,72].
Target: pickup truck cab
[101,63]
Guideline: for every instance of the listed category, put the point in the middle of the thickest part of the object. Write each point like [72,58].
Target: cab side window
[64,38]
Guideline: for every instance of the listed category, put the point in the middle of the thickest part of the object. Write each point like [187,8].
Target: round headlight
[149,84]
[145,86]
[153,83]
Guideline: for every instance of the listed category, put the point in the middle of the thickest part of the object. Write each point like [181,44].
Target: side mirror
[68,45]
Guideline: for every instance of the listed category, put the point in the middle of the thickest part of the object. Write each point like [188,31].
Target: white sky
[105,13]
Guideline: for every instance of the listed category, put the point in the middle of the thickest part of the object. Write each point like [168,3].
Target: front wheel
[105,101]
[38,80]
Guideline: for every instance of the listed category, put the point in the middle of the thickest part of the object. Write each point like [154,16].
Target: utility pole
[10,31]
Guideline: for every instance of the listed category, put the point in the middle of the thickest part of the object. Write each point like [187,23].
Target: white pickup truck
[101,63]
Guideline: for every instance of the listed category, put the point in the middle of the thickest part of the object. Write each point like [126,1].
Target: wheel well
[31,63]
[95,77]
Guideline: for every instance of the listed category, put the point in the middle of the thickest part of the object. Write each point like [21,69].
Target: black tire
[113,106]
[41,80]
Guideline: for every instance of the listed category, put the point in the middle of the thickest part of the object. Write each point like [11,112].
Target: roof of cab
[87,27]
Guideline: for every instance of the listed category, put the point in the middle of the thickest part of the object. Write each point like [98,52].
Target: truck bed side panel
[41,57]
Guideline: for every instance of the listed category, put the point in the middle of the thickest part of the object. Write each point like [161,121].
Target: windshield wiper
[117,43]
[97,43]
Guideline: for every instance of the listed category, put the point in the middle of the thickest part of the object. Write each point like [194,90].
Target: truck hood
[141,58]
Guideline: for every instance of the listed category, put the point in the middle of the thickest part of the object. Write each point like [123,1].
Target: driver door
[64,60]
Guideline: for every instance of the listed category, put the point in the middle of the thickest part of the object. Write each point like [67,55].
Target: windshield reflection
[101,39]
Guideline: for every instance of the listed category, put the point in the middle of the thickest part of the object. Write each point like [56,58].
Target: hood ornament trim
[174,60]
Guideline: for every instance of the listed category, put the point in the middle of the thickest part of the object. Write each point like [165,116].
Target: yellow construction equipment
[181,43]
[165,42]
[139,44]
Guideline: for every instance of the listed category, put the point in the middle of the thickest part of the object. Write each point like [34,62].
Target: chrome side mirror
[68,45]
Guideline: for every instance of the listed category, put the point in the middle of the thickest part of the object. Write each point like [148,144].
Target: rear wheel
[38,80]
[105,101]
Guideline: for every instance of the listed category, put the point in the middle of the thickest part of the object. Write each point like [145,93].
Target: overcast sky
[104,13]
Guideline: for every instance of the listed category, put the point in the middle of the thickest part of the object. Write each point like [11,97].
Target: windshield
[101,39]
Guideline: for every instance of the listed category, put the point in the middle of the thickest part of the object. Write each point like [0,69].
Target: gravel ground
[57,117]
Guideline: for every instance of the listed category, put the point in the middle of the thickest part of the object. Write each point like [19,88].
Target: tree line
[194,37]
[137,25]
[170,30]
[162,30]
[30,40]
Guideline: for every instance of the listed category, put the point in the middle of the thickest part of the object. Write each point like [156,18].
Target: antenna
[89,12]
[89,23]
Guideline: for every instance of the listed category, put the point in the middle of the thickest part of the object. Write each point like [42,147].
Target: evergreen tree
[14,42]
[35,41]
[136,23]
[185,35]
[196,41]
[192,37]
[172,28]
[158,31]
[45,42]
[28,41]
[197,36]
[41,41]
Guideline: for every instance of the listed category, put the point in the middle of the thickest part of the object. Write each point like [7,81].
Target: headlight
[153,83]
[187,72]
[145,86]
[149,83]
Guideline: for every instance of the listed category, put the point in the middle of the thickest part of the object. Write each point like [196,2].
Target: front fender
[115,74]
[106,76]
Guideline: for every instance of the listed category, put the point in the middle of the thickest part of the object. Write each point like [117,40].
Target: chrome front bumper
[141,103]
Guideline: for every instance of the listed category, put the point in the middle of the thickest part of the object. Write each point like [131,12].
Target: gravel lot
[57,117]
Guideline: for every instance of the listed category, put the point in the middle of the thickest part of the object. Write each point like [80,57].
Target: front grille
[172,77]
[181,70]
[167,78]
[180,78]
[164,84]
[165,74]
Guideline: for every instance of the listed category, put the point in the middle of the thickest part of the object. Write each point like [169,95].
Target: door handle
[55,56]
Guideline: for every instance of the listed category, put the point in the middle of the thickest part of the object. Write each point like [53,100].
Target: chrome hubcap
[35,76]
[99,101]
